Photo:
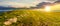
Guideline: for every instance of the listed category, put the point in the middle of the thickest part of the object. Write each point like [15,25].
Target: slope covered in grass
[31,18]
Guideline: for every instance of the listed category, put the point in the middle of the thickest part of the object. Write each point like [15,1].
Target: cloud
[36,2]
[51,0]
[21,3]
[16,4]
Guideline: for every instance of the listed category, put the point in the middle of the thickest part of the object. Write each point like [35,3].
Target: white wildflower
[7,23]
[13,19]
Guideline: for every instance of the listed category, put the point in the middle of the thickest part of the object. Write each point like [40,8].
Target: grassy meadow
[30,18]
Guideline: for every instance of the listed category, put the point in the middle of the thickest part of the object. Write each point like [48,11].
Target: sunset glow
[47,8]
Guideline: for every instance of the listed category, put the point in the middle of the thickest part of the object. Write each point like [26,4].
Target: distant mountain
[2,8]
[5,8]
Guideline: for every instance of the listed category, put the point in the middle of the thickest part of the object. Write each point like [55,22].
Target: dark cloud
[52,0]
[58,1]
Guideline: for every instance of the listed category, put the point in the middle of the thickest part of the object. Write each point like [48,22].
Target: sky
[21,3]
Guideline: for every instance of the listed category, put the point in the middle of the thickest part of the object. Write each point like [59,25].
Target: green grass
[32,18]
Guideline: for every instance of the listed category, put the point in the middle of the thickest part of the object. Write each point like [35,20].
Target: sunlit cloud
[17,3]
[22,3]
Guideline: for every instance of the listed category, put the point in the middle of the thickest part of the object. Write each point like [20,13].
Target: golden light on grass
[55,7]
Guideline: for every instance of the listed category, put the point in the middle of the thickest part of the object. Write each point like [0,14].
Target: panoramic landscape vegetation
[29,18]
[44,14]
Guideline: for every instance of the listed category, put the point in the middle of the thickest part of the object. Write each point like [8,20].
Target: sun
[47,8]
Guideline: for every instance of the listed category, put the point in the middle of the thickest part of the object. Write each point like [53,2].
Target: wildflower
[13,19]
[7,23]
